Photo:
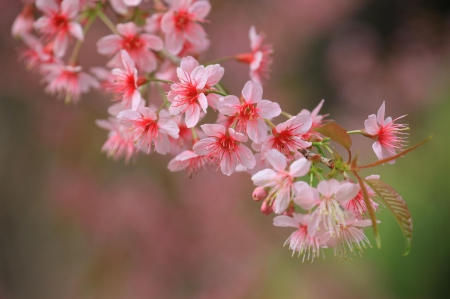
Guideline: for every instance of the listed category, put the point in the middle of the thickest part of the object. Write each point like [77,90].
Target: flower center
[181,20]
[132,43]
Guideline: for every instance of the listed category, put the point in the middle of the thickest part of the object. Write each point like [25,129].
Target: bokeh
[74,224]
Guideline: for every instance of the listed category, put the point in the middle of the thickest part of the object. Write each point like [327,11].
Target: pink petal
[281,201]
[214,130]
[195,33]
[186,155]
[135,100]
[257,130]
[328,188]
[169,126]
[203,101]
[382,152]
[380,114]
[70,8]
[174,42]
[370,125]
[266,178]
[299,167]
[202,147]
[285,221]
[127,61]
[152,41]
[306,197]
[128,115]
[109,44]
[188,64]
[60,44]
[229,105]
[127,29]
[215,73]
[255,39]
[199,75]
[132,2]
[200,9]
[76,30]
[192,115]
[167,23]
[162,146]
[252,92]
[268,109]
[228,164]
[276,159]
[237,136]
[346,191]
[47,6]
[245,156]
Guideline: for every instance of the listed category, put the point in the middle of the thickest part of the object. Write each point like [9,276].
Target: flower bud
[266,209]
[289,211]
[259,193]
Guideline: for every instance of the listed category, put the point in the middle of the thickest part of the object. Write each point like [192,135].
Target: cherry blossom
[67,81]
[139,46]
[181,23]
[327,198]
[35,55]
[357,205]
[125,82]
[251,112]
[389,136]
[189,95]
[23,22]
[189,161]
[259,59]
[120,142]
[280,180]
[147,128]
[288,136]
[59,22]
[224,149]
[301,241]
[350,237]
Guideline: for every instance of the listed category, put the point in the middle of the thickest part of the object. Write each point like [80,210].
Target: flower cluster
[320,195]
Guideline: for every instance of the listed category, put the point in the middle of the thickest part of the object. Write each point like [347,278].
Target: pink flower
[301,241]
[36,55]
[59,22]
[357,205]
[327,198]
[121,6]
[260,59]
[125,82]
[147,128]
[388,135]
[188,96]
[23,22]
[224,149]
[180,24]
[350,237]
[189,161]
[288,136]
[68,81]
[280,180]
[251,112]
[139,46]
[317,119]
[120,142]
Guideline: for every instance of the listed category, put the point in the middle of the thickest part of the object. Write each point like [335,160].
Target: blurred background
[74,224]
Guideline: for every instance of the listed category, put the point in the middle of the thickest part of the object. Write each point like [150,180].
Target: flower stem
[159,80]
[194,135]
[220,60]
[216,92]
[107,21]
[286,114]
[76,50]
[271,124]
[356,132]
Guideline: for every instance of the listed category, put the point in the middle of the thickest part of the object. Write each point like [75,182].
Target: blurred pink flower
[389,136]
[139,46]
[58,22]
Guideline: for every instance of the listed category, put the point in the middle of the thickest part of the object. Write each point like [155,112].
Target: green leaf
[369,209]
[398,207]
[337,133]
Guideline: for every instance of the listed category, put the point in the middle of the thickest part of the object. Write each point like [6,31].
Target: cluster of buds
[298,174]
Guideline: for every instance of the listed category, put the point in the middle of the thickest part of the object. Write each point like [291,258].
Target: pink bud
[289,211]
[266,209]
[259,193]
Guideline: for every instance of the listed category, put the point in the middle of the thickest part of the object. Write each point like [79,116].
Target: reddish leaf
[397,205]
[337,133]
